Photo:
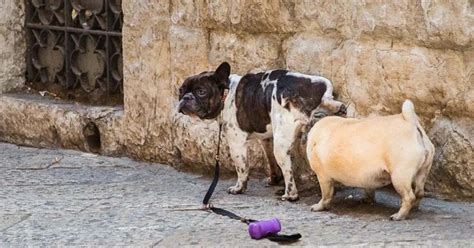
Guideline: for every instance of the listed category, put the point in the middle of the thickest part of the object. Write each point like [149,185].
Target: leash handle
[284,238]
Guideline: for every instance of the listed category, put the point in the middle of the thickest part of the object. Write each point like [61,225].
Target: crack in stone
[466,140]
[85,208]
[23,218]
[70,184]
[55,161]
[156,243]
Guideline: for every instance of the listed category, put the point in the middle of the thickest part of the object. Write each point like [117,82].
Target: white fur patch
[267,81]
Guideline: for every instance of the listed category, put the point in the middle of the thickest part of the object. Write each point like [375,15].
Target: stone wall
[12,45]
[377,53]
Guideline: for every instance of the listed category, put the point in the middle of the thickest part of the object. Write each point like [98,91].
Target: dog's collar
[224,96]
[217,112]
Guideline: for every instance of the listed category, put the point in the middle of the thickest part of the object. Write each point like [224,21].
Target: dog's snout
[187,97]
[181,106]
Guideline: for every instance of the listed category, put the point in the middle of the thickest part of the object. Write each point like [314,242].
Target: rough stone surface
[12,45]
[251,16]
[377,53]
[454,163]
[35,121]
[436,23]
[147,80]
[246,52]
[70,198]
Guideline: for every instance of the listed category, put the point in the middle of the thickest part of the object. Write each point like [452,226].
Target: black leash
[213,185]
[223,212]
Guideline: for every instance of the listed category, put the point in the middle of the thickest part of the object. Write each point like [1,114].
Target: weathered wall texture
[12,45]
[377,53]
[34,121]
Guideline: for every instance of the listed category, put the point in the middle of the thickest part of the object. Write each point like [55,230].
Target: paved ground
[62,197]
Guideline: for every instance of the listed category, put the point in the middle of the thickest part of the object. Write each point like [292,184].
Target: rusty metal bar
[73,30]
[107,47]
[69,77]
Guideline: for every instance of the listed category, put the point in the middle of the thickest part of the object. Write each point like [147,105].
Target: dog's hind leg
[285,130]
[402,181]
[419,188]
[327,192]
[273,171]
[422,175]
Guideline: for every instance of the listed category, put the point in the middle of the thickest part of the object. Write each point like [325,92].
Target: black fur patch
[300,92]
[276,74]
[202,94]
[253,104]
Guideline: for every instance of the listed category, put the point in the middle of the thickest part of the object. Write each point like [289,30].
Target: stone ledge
[38,121]
[13,83]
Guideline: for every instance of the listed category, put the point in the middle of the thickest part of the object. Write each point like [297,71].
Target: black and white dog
[271,106]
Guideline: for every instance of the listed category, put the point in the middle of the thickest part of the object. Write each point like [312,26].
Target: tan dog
[371,153]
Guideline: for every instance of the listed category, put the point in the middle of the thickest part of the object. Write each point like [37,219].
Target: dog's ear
[222,74]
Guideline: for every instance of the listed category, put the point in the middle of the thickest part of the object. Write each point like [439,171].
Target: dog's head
[201,95]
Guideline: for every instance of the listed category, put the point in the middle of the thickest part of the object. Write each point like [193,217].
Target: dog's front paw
[397,216]
[318,207]
[290,198]
[235,190]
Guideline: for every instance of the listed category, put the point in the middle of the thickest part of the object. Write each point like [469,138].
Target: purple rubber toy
[260,229]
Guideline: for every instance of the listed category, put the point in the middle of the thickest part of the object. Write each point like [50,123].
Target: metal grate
[75,48]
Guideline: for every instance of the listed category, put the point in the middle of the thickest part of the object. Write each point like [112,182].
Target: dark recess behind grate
[74,49]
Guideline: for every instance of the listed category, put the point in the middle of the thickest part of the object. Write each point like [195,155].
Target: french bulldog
[371,153]
[271,107]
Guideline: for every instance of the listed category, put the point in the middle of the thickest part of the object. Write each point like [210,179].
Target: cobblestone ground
[63,197]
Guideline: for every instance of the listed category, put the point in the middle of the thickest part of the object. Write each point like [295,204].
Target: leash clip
[246,221]
[206,206]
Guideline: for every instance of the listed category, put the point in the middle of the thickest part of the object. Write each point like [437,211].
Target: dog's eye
[201,92]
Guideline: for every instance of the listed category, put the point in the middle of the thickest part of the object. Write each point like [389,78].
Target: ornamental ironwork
[75,46]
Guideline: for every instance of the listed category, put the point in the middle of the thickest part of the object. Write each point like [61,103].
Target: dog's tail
[408,112]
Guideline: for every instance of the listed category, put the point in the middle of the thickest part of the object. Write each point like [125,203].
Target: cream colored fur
[371,153]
